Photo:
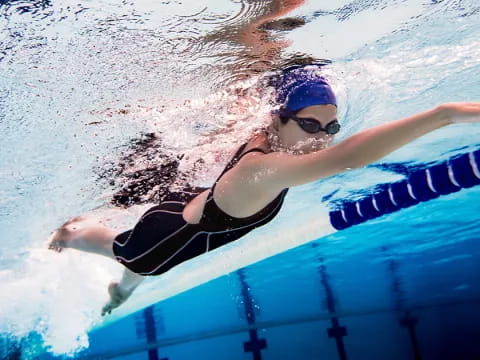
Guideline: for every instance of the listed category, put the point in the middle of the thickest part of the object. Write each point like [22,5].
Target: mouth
[311,144]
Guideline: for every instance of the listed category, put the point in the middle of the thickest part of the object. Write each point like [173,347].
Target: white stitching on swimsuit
[208,242]
[176,252]
[208,238]
[157,244]
[213,232]
[143,217]
[167,211]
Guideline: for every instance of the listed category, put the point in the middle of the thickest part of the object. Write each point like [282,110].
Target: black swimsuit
[162,239]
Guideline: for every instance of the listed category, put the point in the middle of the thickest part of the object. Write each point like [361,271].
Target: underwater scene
[107,107]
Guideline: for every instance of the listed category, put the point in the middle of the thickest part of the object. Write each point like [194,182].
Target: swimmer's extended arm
[276,171]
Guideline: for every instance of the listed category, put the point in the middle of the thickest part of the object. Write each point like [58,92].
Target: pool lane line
[459,172]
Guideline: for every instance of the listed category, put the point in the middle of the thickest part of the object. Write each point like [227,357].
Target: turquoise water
[80,80]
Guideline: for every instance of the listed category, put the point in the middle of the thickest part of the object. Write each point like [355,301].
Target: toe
[55,242]
[56,245]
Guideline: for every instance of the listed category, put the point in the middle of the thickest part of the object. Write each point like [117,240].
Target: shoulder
[243,191]
[278,170]
[258,171]
[246,177]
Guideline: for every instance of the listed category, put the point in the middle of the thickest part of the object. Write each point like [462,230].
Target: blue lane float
[461,171]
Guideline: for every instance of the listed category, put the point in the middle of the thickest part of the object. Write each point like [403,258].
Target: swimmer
[295,149]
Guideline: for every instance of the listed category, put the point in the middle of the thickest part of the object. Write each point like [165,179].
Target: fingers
[116,298]
[107,309]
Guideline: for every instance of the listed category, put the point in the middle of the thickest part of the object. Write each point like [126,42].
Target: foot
[117,297]
[58,240]
[60,237]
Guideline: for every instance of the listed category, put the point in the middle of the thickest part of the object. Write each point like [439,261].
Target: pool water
[79,81]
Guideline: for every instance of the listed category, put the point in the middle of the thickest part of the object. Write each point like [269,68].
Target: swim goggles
[310,125]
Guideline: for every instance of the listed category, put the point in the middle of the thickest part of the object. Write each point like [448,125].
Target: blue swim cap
[300,87]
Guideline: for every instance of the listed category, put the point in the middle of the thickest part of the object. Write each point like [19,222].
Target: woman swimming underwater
[295,149]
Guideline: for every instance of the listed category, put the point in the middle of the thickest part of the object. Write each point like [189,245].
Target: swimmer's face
[297,140]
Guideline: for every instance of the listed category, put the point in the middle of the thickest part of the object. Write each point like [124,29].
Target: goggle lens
[310,125]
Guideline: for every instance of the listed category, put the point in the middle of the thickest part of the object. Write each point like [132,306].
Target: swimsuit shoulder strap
[236,158]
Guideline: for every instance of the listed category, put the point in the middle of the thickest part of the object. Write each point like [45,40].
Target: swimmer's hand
[117,297]
[462,112]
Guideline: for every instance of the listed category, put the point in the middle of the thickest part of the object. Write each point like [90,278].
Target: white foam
[55,295]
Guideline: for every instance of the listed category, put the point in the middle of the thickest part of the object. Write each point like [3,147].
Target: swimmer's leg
[90,236]
[120,292]
[83,235]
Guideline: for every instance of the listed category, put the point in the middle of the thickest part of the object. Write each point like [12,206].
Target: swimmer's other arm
[276,171]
